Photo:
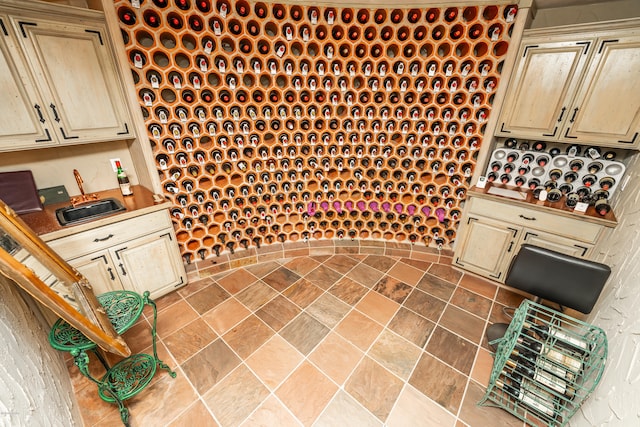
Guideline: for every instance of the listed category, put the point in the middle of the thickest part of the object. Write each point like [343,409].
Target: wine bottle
[530,370]
[571,363]
[568,341]
[123,180]
[530,396]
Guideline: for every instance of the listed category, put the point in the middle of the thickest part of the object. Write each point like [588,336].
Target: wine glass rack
[546,365]
[272,122]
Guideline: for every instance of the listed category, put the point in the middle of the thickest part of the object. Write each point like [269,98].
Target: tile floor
[337,340]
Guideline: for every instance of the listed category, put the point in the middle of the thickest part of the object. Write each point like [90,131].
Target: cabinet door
[542,86]
[75,73]
[22,112]
[556,243]
[99,270]
[151,263]
[606,110]
[486,246]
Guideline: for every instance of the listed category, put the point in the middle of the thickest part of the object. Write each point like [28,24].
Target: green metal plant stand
[132,374]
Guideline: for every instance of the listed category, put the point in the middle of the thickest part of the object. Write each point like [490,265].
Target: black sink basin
[90,211]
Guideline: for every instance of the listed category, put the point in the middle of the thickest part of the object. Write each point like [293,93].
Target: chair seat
[123,309]
[128,377]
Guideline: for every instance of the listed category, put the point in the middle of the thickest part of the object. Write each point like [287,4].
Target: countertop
[47,227]
[557,208]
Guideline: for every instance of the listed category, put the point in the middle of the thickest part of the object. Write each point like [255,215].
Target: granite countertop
[45,224]
[557,208]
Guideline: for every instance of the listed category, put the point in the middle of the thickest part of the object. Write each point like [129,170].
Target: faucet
[75,201]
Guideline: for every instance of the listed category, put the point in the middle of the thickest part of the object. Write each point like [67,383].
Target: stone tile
[446,272]
[425,305]
[165,302]
[175,317]
[196,415]
[471,302]
[302,265]
[482,367]
[262,269]
[149,408]
[381,263]
[479,285]
[341,263]
[436,286]
[439,382]
[509,298]
[336,357]
[316,388]
[247,336]
[476,415]
[452,349]
[374,387]
[415,409]
[281,279]
[323,277]
[226,315]
[378,307]
[395,353]
[139,335]
[328,309]
[393,289]
[411,326]
[187,341]
[256,295]
[406,273]
[194,286]
[302,293]
[343,250]
[271,413]
[278,312]
[462,323]
[208,298]
[365,275]
[348,290]
[344,407]
[359,329]
[207,367]
[236,397]
[274,361]
[304,333]
[237,280]
[421,265]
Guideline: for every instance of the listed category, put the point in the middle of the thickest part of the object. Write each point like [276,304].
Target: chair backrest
[569,281]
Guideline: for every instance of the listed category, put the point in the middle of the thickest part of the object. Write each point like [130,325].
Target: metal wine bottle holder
[583,368]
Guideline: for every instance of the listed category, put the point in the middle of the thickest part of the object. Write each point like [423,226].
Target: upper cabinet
[576,87]
[59,84]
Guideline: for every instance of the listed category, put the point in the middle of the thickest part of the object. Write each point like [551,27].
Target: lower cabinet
[492,233]
[139,254]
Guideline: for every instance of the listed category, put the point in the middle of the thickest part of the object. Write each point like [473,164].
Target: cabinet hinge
[125,131]
[104,258]
[502,129]
[48,137]
[630,142]
[586,45]
[22,25]
[566,134]
[584,250]
[605,42]
[64,135]
[166,234]
[4,29]
[555,129]
[496,276]
[533,46]
[98,33]
[529,234]
[515,231]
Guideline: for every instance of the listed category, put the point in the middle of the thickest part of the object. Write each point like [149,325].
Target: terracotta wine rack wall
[274,122]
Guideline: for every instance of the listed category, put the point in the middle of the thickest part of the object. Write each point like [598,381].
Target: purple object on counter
[440,214]
[348,205]
[398,207]
[311,208]
[386,206]
[337,206]
[324,206]
[426,210]
[411,209]
[361,205]
[374,206]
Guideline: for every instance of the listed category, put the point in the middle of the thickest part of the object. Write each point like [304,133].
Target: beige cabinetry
[494,230]
[138,254]
[576,85]
[59,82]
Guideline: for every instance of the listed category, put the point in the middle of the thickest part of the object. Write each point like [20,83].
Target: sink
[87,212]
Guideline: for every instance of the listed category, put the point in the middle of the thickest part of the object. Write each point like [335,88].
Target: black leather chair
[553,276]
